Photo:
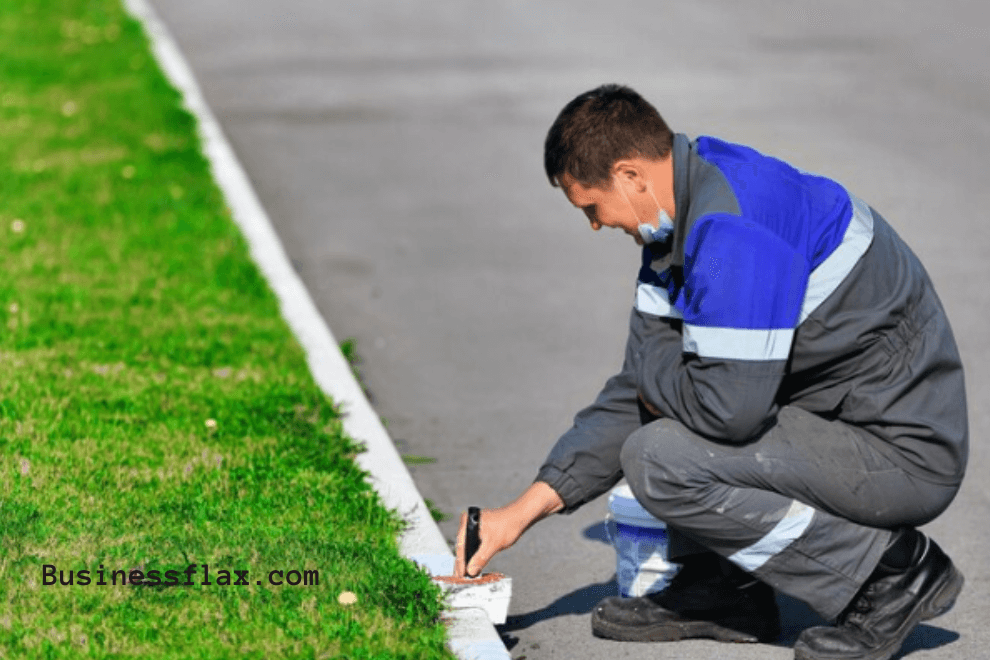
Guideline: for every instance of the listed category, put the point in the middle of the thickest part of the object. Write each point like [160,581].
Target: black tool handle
[473,538]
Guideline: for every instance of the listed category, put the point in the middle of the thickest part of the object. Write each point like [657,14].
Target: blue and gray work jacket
[777,287]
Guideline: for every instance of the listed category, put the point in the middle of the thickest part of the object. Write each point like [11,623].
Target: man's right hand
[500,528]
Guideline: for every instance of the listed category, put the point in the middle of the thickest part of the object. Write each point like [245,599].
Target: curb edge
[470,635]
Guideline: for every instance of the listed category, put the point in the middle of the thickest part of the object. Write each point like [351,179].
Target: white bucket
[640,541]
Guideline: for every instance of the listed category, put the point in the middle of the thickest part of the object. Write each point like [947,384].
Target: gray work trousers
[807,507]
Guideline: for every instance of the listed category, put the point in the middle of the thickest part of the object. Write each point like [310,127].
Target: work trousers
[808,507]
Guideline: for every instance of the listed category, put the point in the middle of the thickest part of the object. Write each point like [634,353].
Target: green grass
[155,411]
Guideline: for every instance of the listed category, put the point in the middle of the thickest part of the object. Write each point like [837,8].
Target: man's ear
[630,172]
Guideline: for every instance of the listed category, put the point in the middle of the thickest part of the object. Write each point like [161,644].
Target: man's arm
[584,463]
[742,295]
[729,400]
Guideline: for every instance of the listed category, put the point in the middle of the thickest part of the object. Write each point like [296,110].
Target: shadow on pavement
[924,638]
[795,616]
[597,532]
[579,601]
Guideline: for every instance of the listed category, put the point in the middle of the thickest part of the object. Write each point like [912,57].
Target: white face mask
[660,233]
[650,233]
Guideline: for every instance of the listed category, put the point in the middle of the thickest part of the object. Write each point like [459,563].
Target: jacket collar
[682,154]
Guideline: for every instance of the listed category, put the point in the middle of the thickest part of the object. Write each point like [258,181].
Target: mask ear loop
[618,184]
[649,189]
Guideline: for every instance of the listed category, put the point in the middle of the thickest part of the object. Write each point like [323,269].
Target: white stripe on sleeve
[656,301]
[738,343]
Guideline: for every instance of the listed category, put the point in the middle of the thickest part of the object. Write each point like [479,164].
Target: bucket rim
[624,508]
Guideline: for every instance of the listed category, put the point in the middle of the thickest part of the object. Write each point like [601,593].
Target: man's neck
[661,176]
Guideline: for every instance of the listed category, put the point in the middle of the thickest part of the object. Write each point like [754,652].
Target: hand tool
[472,539]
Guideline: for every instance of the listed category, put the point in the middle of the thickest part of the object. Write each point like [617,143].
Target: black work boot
[708,598]
[886,609]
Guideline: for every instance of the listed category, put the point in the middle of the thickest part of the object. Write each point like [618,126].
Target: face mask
[659,234]
[649,233]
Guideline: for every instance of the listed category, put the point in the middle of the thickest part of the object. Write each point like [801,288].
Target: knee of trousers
[663,466]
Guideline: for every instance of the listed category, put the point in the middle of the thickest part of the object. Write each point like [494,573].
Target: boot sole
[941,600]
[672,631]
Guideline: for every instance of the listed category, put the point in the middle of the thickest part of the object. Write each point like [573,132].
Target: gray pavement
[398,149]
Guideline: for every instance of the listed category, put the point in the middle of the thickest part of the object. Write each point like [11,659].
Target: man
[791,402]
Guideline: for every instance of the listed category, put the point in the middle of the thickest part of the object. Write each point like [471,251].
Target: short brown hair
[598,128]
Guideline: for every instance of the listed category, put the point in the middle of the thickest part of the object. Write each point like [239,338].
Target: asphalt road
[398,149]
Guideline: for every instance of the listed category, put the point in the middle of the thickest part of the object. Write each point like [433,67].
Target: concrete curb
[471,636]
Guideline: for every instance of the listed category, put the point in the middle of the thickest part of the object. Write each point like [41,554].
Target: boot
[708,598]
[886,609]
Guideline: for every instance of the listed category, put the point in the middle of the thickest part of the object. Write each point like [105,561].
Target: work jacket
[776,287]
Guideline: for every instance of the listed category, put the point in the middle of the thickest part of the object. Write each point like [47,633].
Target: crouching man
[791,402]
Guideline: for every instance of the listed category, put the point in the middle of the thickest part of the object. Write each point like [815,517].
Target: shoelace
[863,605]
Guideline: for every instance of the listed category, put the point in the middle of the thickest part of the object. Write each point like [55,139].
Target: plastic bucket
[640,542]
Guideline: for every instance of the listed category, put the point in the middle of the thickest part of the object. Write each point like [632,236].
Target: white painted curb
[471,635]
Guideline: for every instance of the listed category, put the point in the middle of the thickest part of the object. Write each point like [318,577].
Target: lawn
[155,411]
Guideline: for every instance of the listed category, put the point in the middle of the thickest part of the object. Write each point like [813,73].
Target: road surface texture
[397,147]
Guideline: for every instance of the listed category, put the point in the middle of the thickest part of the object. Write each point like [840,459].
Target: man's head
[609,150]
[599,128]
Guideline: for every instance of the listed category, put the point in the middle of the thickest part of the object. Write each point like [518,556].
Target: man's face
[603,208]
